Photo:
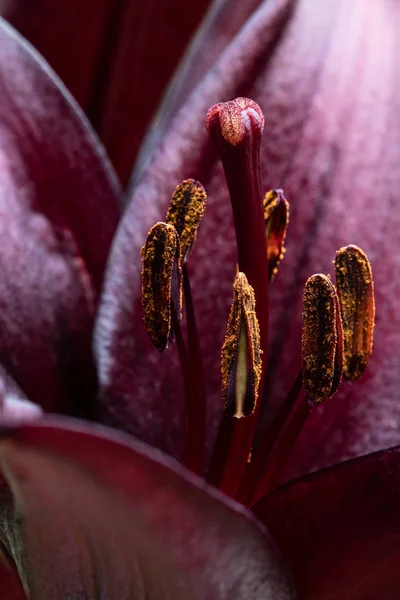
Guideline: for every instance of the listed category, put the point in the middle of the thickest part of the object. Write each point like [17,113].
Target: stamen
[161,283]
[322,340]
[185,212]
[357,305]
[241,353]
[276,219]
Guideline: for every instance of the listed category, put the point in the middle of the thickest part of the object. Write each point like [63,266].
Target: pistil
[186,209]
[236,129]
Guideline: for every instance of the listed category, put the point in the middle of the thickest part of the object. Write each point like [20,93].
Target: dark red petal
[141,391]
[69,34]
[116,58]
[339,529]
[11,588]
[58,210]
[97,515]
[327,83]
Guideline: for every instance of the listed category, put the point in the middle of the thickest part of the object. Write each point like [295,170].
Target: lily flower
[88,511]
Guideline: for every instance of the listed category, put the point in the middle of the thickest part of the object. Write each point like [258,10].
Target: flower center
[337,321]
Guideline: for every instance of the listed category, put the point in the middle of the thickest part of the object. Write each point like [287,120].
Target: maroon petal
[326,81]
[115,57]
[59,208]
[11,588]
[69,34]
[95,515]
[339,529]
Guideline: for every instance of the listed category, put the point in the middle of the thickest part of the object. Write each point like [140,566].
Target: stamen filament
[260,455]
[234,437]
[282,450]
[197,409]
[196,436]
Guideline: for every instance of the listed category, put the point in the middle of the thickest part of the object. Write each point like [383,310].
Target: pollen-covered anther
[161,283]
[276,219]
[241,353]
[322,339]
[185,212]
[355,288]
[235,119]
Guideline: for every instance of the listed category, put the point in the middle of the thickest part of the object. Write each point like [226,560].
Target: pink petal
[339,529]
[96,515]
[326,80]
[115,57]
[58,210]
[14,411]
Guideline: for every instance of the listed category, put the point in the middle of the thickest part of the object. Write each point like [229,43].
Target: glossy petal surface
[15,409]
[59,209]
[94,515]
[339,529]
[325,78]
[115,56]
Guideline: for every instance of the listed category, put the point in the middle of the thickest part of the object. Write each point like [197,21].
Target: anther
[185,212]
[357,305]
[322,339]
[241,353]
[161,283]
[276,219]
